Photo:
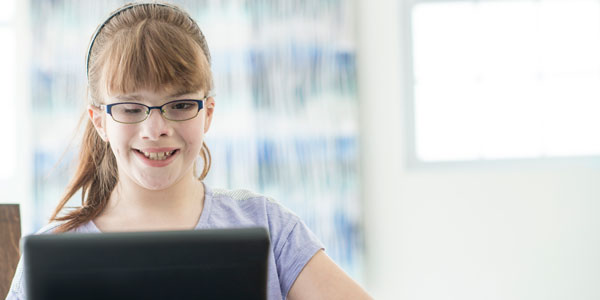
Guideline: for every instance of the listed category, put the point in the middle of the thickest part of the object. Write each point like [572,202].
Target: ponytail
[96,177]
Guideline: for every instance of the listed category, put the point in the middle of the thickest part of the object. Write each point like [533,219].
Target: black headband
[87,61]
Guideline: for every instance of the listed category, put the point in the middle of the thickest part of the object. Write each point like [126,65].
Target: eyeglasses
[131,112]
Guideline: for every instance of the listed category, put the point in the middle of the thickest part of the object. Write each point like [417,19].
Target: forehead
[149,95]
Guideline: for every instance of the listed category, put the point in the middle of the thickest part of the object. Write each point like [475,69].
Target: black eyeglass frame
[108,108]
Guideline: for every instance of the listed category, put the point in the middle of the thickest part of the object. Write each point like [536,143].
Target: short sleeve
[298,248]
[16,291]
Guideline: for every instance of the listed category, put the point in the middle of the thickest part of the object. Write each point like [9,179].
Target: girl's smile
[156,157]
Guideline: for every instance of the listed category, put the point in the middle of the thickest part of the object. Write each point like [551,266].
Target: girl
[150,84]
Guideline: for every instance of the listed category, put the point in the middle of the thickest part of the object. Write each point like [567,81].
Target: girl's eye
[182,105]
[132,111]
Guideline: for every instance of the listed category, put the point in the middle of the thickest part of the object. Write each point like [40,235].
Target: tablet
[193,264]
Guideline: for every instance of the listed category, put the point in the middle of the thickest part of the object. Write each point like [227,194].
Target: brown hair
[153,46]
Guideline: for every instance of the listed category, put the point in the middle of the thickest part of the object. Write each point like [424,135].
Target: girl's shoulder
[241,207]
[240,195]
[247,200]
[49,228]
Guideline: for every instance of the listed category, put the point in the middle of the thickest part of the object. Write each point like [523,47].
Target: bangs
[156,56]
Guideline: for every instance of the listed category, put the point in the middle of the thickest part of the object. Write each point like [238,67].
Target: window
[9,117]
[505,79]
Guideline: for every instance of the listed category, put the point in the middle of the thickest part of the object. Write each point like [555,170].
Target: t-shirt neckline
[202,222]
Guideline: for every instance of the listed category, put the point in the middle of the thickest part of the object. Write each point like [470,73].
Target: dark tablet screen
[194,264]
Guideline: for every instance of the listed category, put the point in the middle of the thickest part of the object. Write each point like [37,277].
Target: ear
[209,106]
[98,119]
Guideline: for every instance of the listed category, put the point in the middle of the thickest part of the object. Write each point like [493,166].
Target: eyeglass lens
[175,111]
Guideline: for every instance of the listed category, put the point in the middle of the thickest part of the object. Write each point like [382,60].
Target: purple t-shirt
[292,243]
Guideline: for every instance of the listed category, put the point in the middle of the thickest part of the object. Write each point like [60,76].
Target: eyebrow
[138,97]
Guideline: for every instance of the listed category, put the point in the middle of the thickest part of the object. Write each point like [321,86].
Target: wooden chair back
[10,234]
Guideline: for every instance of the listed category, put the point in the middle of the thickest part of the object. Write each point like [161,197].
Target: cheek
[119,137]
[193,137]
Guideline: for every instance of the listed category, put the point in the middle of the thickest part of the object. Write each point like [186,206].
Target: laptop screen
[193,264]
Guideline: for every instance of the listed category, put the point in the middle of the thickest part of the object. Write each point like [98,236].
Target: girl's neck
[175,206]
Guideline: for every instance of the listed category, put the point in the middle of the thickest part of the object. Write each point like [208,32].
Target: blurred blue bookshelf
[286,118]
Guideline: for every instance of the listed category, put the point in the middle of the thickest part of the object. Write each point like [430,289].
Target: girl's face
[155,153]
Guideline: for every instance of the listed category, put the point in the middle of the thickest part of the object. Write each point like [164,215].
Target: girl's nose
[155,126]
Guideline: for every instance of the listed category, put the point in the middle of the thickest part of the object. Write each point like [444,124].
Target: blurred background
[440,149]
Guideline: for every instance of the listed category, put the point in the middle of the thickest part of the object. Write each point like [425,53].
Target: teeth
[157,155]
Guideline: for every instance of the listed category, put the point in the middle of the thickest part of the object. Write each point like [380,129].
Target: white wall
[18,188]
[516,230]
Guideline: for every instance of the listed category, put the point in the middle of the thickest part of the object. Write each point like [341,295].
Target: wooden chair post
[10,234]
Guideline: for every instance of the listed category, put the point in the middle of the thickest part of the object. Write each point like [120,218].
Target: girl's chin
[155,187]
[155,184]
